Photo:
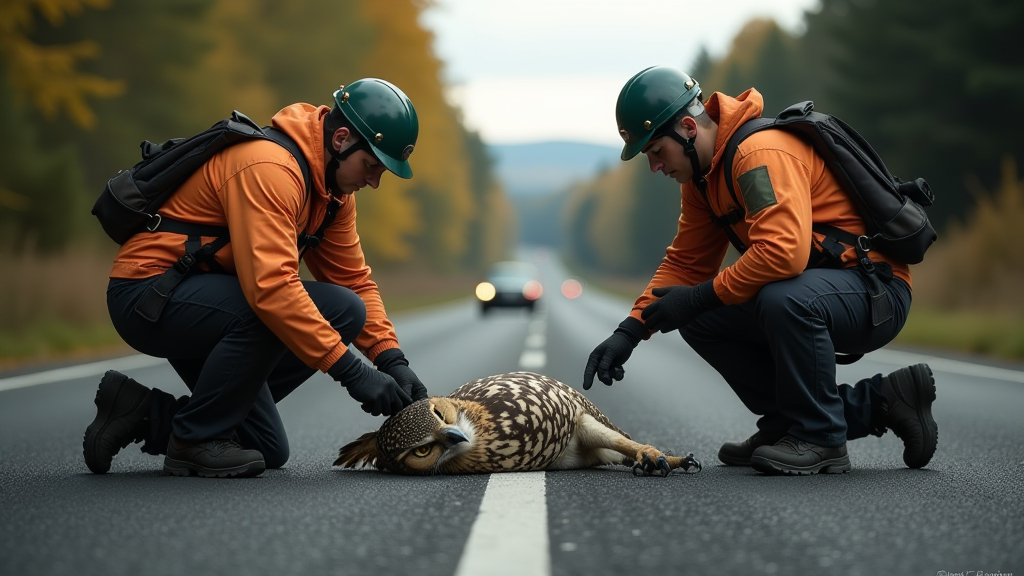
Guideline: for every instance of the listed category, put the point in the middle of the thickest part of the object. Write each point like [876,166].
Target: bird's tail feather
[360,453]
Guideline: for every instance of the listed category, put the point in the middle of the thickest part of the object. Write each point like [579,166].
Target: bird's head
[418,440]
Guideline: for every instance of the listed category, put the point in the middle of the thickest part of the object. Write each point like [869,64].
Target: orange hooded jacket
[256,189]
[777,231]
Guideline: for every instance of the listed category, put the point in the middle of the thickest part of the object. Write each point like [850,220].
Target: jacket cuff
[379,347]
[633,329]
[327,361]
[388,358]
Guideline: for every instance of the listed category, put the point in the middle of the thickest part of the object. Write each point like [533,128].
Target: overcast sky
[535,70]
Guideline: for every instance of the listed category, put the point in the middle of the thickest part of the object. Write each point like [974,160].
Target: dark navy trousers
[235,367]
[777,352]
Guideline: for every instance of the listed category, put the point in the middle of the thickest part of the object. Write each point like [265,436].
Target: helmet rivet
[344,97]
[647,124]
[689,84]
[379,136]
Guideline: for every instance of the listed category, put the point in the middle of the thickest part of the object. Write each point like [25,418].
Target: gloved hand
[393,363]
[677,306]
[377,392]
[607,359]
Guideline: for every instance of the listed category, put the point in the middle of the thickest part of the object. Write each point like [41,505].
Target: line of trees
[85,81]
[935,86]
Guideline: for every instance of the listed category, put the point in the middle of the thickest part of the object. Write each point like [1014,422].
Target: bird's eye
[422,451]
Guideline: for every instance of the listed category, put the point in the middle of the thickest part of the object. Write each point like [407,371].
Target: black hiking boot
[907,411]
[794,456]
[122,417]
[218,458]
[738,453]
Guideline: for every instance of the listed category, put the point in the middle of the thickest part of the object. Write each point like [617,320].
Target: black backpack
[131,200]
[893,212]
[897,224]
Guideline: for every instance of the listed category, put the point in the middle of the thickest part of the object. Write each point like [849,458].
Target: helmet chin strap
[331,171]
[698,174]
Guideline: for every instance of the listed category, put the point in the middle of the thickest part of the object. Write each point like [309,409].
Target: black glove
[376,391]
[393,363]
[607,359]
[677,306]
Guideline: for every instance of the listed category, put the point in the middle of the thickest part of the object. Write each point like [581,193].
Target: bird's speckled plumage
[508,422]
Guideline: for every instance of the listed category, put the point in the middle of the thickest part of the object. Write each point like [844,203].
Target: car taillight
[485,291]
[532,290]
[572,288]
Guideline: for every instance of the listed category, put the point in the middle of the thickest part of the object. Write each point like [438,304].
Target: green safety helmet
[651,98]
[384,116]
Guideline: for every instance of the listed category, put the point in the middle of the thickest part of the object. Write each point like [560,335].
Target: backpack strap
[152,302]
[306,240]
[726,222]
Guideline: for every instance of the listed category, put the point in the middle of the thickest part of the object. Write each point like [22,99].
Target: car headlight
[485,291]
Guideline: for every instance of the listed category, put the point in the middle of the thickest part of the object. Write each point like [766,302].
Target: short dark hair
[336,119]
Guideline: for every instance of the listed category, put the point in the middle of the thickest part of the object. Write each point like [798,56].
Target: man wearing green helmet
[772,322]
[244,338]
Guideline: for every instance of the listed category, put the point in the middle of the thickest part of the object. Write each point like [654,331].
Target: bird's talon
[690,465]
[666,468]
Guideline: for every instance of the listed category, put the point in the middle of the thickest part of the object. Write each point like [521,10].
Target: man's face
[667,156]
[360,169]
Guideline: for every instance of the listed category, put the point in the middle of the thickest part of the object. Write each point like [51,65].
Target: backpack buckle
[185,263]
[154,226]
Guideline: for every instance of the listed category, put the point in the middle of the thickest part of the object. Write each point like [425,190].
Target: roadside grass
[53,306]
[967,292]
[981,333]
[52,339]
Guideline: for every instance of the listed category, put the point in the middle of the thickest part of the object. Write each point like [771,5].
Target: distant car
[509,285]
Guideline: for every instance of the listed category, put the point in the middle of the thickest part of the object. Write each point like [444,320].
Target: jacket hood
[730,113]
[305,124]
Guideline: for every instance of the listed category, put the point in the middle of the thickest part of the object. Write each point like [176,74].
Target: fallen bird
[515,422]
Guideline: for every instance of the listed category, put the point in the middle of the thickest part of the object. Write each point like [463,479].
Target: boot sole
[731,461]
[182,468]
[923,397]
[773,467]
[107,395]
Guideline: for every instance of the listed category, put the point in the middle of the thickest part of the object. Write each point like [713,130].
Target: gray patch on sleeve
[757,189]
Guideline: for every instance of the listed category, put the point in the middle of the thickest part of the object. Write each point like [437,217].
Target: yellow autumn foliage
[402,54]
[47,75]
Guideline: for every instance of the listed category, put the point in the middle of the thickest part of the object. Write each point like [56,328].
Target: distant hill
[544,167]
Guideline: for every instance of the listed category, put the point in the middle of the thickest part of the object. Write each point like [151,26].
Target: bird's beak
[454,436]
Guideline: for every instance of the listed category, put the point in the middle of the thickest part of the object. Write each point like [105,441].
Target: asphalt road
[963,514]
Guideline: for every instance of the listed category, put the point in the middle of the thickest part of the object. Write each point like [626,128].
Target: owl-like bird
[513,422]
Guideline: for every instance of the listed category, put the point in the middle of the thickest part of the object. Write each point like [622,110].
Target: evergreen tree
[934,87]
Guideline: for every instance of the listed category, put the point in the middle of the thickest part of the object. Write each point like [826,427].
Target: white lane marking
[533,359]
[898,358]
[536,341]
[510,534]
[79,371]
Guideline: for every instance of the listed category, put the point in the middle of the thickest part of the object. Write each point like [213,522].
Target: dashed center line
[510,533]
[534,357]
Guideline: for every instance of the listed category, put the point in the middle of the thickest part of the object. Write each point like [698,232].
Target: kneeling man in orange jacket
[244,338]
[772,322]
